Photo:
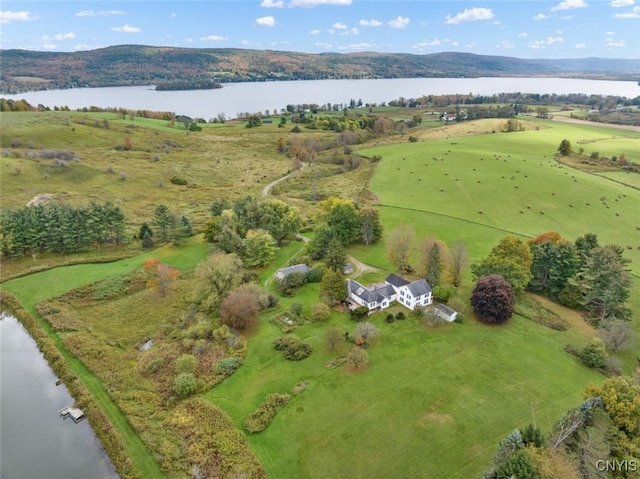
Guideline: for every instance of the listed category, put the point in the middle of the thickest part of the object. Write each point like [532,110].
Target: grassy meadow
[431,396]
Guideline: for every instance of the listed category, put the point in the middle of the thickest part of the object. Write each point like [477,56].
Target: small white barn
[446,313]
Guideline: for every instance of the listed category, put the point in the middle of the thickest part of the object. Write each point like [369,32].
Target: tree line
[57,228]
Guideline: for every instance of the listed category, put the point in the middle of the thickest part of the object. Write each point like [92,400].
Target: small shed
[296,268]
[446,313]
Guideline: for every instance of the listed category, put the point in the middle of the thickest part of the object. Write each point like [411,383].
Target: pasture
[431,395]
[511,182]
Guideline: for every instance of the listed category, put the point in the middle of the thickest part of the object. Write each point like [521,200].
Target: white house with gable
[395,288]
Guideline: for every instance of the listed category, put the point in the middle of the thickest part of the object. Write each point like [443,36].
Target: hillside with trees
[127,65]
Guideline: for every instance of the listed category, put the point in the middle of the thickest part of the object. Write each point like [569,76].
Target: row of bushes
[110,438]
[534,311]
[265,412]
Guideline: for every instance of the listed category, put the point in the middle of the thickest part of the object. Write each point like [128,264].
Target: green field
[434,402]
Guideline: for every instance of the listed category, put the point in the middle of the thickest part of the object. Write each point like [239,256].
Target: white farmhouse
[410,294]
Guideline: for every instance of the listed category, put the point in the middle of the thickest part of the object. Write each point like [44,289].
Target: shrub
[359,314]
[443,294]
[321,312]
[266,412]
[413,139]
[400,315]
[186,364]
[293,348]
[315,274]
[177,180]
[594,354]
[389,318]
[184,385]
[227,365]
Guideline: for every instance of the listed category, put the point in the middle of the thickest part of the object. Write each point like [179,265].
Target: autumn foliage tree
[159,275]
[492,299]
[400,245]
[240,309]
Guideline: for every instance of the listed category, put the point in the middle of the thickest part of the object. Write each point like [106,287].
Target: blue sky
[519,28]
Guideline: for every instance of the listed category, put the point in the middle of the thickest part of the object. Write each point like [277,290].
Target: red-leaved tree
[492,299]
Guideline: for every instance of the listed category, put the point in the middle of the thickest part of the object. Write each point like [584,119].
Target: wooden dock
[74,413]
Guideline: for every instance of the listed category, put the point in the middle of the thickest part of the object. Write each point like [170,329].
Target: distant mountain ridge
[124,65]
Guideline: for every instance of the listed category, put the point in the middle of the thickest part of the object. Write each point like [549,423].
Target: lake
[36,441]
[253,97]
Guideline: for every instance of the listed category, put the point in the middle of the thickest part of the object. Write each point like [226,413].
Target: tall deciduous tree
[458,261]
[511,258]
[400,245]
[228,238]
[565,148]
[160,276]
[239,309]
[216,277]
[278,218]
[259,248]
[319,244]
[492,299]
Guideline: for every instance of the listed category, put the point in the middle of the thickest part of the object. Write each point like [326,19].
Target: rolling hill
[124,65]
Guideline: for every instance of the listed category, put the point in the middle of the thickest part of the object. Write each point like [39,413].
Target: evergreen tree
[145,228]
[147,239]
[163,221]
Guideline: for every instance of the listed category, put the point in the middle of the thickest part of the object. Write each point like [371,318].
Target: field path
[360,268]
[266,189]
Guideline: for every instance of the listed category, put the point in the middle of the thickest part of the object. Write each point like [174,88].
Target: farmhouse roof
[375,294]
[296,268]
[419,287]
[396,280]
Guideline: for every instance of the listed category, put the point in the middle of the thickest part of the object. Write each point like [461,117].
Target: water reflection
[36,442]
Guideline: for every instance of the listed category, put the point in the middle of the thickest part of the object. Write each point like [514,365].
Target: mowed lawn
[511,181]
[429,398]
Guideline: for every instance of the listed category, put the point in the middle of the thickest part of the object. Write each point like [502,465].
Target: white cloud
[272,4]
[245,43]
[265,21]
[126,29]
[339,26]
[324,45]
[569,5]
[101,13]
[59,37]
[581,45]
[359,46]
[82,46]
[471,45]
[470,15]
[49,46]
[566,17]
[635,13]
[540,16]
[212,38]
[315,32]
[426,44]
[399,22]
[371,23]
[506,45]
[538,44]
[613,43]
[7,16]
[313,3]
[609,33]
[621,3]
[523,35]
